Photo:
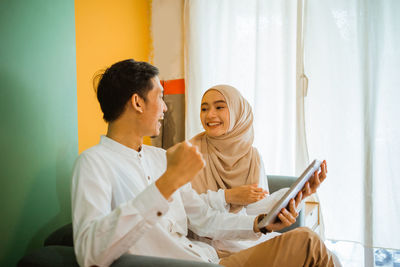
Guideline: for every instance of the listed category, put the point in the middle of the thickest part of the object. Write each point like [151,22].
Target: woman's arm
[247,194]
[241,195]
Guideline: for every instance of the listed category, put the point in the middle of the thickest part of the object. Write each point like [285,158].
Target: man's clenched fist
[184,161]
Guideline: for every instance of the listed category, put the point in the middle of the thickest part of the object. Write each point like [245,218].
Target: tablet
[291,193]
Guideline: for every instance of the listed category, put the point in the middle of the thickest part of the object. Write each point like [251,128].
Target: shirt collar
[120,148]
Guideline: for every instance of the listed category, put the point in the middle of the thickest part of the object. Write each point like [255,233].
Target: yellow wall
[106,32]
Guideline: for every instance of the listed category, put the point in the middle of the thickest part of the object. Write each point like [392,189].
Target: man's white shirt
[216,199]
[117,209]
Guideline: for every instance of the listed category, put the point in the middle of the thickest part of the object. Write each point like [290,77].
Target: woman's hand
[245,194]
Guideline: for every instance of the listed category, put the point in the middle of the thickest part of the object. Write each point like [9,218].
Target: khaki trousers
[299,247]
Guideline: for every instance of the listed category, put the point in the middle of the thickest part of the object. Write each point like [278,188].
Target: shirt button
[209,260]
[190,246]
[140,155]
[159,213]
[148,178]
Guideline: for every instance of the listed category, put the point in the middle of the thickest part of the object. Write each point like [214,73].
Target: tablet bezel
[291,193]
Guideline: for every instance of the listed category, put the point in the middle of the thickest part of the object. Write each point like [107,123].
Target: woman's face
[214,114]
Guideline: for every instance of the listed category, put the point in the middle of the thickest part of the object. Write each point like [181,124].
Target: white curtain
[250,45]
[352,59]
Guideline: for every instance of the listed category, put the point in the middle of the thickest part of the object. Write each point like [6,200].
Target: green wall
[38,109]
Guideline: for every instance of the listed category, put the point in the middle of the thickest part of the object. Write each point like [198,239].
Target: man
[132,198]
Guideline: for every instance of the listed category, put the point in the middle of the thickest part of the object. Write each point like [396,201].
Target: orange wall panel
[173,87]
[106,32]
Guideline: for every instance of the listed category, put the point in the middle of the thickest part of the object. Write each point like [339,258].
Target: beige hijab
[231,160]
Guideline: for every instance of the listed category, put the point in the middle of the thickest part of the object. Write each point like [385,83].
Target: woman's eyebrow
[215,102]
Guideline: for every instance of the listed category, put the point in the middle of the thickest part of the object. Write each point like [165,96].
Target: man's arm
[205,221]
[208,222]
[216,200]
[102,235]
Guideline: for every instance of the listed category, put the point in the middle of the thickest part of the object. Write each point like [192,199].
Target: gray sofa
[58,247]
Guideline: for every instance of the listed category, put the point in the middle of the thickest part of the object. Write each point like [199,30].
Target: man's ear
[137,103]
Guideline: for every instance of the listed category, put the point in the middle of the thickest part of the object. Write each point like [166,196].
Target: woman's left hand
[244,194]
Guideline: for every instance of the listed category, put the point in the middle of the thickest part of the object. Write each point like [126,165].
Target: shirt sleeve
[208,222]
[102,235]
[216,200]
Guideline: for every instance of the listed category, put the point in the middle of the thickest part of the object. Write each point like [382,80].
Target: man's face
[214,114]
[154,109]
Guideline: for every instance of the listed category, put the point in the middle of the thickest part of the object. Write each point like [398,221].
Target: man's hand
[312,185]
[245,194]
[288,217]
[285,217]
[184,161]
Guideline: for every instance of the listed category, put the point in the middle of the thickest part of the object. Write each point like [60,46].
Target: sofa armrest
[129,260]
[64,256]
[276,182]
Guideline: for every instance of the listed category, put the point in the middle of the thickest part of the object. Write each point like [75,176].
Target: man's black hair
[119,82]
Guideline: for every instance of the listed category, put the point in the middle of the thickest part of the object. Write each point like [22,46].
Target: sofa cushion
[50,256]
[61,237]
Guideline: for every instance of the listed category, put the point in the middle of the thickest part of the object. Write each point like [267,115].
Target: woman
[233,164]
[234,175]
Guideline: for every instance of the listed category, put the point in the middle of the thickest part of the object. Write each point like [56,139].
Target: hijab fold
[231,159]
